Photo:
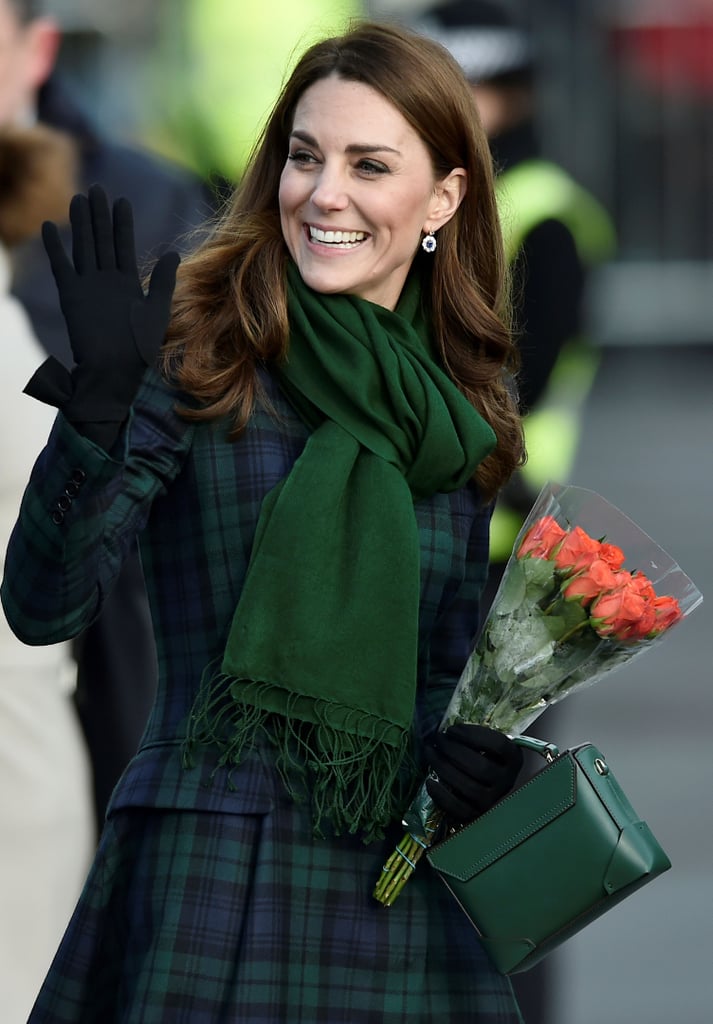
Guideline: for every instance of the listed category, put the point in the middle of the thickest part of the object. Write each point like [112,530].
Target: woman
[47,835]
[311,474]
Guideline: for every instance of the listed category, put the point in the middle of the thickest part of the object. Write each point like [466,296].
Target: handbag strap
[548,750]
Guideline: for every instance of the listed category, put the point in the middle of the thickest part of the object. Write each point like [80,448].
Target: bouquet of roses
[568,610]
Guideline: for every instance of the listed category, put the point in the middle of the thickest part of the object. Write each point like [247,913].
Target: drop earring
[428,243]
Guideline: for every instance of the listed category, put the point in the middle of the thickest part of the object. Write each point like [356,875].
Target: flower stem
[398,869]
[565,636]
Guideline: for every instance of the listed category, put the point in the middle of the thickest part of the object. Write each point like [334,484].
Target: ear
[447,197]
[43,42]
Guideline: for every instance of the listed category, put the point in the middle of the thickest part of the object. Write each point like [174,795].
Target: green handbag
[550,857]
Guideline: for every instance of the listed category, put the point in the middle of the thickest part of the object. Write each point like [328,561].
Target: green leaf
[541,683]
[539,571]
[512,590]
[555,625]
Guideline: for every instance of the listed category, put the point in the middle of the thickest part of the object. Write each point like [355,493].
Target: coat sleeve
[80,513]
[456,627]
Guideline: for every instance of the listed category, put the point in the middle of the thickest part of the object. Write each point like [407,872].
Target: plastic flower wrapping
[585,590]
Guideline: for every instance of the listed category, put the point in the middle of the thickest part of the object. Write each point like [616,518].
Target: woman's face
[358,191]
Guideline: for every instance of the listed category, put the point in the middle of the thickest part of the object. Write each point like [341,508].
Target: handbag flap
[508,823]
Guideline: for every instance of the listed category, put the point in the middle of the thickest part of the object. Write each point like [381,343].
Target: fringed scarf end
[355,778]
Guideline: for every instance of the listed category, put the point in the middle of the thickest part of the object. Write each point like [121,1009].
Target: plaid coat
[209,899]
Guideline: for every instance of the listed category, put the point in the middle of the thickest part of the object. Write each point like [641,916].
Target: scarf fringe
[354,783]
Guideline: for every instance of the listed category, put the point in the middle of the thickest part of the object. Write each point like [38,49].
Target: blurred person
[116,660]
[310,468]
[47,833]
[212,103]
[555,231]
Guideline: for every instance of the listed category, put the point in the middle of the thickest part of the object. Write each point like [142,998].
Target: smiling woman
[419,94]
[356,167]
[310,470]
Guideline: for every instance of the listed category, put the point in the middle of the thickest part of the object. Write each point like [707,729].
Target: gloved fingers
[452,757]
[468,757]
[124,242]
[494,744]
[83,252]
[102,228]
[452,805]
[471,778]
[60,262]
[163,280]
[475,767]
[149,318]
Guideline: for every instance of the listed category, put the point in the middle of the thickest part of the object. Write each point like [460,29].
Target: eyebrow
[354,147]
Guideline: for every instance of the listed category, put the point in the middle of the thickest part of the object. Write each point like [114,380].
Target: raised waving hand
[115,329]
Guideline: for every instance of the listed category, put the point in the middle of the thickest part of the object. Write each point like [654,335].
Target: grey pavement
[647,447]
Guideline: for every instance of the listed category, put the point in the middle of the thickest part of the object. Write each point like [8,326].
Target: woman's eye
[373,167]
[302,156]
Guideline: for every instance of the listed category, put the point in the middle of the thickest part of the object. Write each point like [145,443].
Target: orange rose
[642,585]
[622,613]
[612,555]
[667,611]
[593,581]
[577,551]
[641,630]
[542,538]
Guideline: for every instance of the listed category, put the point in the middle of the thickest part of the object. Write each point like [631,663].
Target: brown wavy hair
[230,308]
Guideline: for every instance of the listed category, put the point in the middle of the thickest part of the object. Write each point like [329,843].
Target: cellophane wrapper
[536,647]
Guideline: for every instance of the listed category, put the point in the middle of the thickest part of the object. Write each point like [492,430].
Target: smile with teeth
[339,239]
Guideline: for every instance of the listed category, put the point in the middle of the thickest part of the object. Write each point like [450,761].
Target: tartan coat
[209,898]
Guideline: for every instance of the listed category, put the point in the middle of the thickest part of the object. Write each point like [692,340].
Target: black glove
[114,329]
[476,767]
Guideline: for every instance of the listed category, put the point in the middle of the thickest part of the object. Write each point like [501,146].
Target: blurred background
[626,105]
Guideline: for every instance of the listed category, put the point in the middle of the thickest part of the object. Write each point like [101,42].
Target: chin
[327,284]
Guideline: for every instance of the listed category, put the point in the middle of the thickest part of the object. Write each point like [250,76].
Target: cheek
[282,193]
[287,235]
[290,197]
[292,188]
[408,211]
[285,206]
[289,225]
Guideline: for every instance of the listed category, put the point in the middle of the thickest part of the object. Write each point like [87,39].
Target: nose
[330,191]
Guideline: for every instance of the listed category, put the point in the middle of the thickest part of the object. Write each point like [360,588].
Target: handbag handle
[548,750]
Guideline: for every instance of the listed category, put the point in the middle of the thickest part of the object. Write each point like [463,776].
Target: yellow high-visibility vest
[224,64]
[529,194]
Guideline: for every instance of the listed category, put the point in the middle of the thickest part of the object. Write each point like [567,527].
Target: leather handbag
[549,858]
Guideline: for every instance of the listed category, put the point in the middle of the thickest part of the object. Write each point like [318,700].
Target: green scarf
[321,654]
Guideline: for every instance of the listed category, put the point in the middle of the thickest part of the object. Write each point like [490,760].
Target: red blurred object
[672,51]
